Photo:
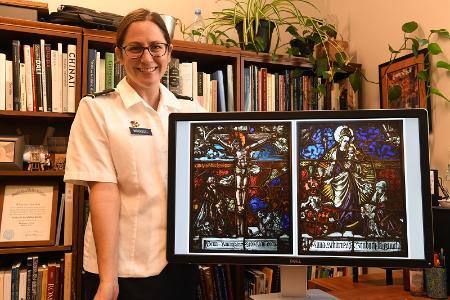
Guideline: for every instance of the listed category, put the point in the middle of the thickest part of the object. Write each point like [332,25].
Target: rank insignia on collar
[134,124]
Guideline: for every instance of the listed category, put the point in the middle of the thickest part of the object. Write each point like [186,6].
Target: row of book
[32,280]
[219,282]
[294,90]
[214,91]
[39,77]
[103,71]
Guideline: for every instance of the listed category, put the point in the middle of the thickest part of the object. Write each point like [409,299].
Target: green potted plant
[413,42]
[254,20]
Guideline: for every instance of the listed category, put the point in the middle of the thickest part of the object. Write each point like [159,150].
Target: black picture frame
[11,152]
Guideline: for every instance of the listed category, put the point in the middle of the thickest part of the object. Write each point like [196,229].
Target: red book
[51,281]
[264,89]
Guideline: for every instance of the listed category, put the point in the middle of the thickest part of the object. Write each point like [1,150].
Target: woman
[118,147]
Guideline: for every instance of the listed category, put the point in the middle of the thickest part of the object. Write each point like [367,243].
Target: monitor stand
[294,286]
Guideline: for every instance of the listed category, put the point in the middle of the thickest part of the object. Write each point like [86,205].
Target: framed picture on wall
[28,212]
[400,83]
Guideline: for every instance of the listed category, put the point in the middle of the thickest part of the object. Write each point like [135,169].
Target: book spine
[16,74]
[2,81]
[29,277]
[43,75]
[23,91]
[109,70]
[9,85]
[51,279]
[48,75]
[56,94]
[247,90]
[97,71]
[65,84]
[263,89]
[174,75]
[28,77]
[92,54]
[34,278]
[230,88]
[117,72]
[72,76]
[38,76]
[67,276]
[68,214]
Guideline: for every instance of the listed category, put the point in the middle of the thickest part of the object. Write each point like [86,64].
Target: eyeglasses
[155,50]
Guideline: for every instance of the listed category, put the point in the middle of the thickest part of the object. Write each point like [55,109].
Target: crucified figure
[241,153]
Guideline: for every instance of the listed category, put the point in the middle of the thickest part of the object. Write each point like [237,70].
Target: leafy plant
[250,13]
[414,43]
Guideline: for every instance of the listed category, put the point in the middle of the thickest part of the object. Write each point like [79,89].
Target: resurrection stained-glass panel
[351,189]
[241,187]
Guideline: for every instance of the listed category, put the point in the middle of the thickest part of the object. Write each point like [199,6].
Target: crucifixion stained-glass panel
[241,192]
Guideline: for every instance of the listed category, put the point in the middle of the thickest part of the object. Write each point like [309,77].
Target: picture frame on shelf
[11,151]
[404,72]
[28,212]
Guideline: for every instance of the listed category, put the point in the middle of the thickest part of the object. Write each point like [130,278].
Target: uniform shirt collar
[130,97]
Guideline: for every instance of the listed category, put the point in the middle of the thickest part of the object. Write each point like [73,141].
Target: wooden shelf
[35,114]
[49,173]
[21,250]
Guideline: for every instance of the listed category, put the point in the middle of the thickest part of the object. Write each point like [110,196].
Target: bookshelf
[33,124]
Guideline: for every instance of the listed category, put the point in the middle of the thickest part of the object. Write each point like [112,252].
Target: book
[16,74]
[47,65]
[34,277]
[28,77]
[101,74]
[22,284]
[185,73]
[72,76]
[29,272]
[174,75]
[65,84]
[15,277]
[7,285]
[247,90]
[38,77]
[9,85]
[2,81]
[67,275]
[43,74]
[230,88]
[59,221]
[44,282]
[97,71]
[68,214]
[51,281]
[56,87]
[109,70]
[91,82]
[221,102]
[194,80]
[23,92]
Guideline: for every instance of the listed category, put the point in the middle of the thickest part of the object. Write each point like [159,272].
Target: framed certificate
[28,213]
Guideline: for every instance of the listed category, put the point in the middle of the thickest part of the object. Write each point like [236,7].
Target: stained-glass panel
[241,187]
[351,190]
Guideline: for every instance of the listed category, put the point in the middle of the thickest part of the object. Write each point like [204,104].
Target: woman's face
[145,72]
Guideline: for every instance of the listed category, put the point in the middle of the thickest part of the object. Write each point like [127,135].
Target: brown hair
[137,15]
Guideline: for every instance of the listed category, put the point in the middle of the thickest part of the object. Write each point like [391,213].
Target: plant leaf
[423,42]
[434,48]
[355,80]
[392,50]
[438,93]
[321,89]
[423,75]
[321,66]
[442,64]
[409,27]
[394,92]
[341,57]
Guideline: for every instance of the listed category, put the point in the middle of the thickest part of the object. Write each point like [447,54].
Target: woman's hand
[107,291]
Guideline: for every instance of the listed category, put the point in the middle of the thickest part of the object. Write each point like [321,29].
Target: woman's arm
[104,206]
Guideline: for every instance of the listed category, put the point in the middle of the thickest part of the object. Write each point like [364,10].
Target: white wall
[371,26]
[368,25]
